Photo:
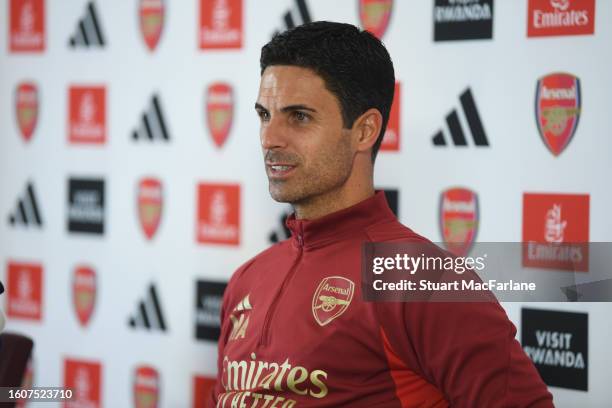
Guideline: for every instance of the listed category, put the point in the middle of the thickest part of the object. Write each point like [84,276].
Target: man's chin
[282,194]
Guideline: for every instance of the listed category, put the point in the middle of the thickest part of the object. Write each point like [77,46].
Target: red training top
[296,331]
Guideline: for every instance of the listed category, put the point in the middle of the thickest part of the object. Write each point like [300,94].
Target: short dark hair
[354,65]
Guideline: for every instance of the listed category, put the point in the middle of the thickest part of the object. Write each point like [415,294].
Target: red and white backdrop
[132,183]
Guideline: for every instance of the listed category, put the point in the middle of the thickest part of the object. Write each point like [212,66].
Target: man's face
[307,152]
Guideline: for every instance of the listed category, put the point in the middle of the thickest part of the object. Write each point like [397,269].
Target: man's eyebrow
[289,108]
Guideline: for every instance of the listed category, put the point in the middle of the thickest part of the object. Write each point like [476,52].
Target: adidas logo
[240,325]
[243,305]
[88,31]
[454,126]
[26,211]
[149,314]
[302,13]
[153,125]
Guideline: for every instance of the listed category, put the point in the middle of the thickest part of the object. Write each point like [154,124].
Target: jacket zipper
[264,337]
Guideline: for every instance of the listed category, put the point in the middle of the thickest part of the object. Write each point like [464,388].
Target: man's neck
[321,205]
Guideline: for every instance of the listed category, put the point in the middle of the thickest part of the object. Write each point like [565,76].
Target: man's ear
[367,128]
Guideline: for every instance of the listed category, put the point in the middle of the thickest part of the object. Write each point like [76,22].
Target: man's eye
[263,115]
[300,116]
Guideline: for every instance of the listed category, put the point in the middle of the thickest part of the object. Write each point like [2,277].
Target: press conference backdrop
[132,182]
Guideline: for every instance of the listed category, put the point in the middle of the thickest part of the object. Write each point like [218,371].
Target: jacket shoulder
[266,255]
[244,273]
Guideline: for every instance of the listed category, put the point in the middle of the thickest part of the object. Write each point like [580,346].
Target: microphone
[2,319]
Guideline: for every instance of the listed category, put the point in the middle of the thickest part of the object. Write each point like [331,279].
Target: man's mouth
[279,170]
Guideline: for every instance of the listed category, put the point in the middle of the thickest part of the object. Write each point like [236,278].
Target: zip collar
[348,221]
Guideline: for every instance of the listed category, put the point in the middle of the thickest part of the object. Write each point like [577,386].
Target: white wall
[501,72]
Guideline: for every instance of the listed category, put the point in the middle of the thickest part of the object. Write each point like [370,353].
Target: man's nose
[273,134]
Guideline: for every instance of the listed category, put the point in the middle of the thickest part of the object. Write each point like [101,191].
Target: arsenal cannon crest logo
[84,293]
[332,298]
[26,108]
[146,387]
[558,102]
[219,111]
[151,21]
[375,15]
[150,203]
[459,219]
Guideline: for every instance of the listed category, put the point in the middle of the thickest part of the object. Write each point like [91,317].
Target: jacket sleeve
[467,350]
[218,388]
[228,302]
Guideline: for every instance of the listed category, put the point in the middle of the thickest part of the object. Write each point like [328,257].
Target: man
[296,331]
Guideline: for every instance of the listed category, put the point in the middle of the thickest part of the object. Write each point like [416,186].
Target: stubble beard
[329,172]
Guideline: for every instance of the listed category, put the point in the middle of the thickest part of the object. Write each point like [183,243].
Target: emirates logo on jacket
[253,380]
